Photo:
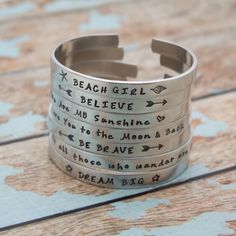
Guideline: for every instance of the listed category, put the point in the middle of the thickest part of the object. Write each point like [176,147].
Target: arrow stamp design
[158,89]
[146,147]
[151,103]
[68,91]
[70,136]
[54,100]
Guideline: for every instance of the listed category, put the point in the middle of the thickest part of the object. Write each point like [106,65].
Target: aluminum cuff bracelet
[115,120]
[116,135]
[159,146]
[122,105]
[172,56]
[132,164]
[116,179]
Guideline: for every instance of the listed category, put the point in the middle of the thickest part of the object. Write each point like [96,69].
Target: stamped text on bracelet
[123,105]
[118,120]
[119,135]
[120,149]
[116,179]
[120,164]
[129,91]
[172,56]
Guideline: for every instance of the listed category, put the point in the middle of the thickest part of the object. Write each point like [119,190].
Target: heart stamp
[160,118]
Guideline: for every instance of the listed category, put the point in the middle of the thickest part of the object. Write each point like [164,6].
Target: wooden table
[37,199]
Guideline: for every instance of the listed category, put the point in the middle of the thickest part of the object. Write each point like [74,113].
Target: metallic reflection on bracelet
[110,130]
[122,105]
[112,135]
[130,121]
[115,179]
[114,150]
[132,164]
[172,56]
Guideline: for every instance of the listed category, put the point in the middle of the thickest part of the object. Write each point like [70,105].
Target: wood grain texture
[31,186]
[206,207]
[33,182]
[24,100]
[207,30]
[15,9]
[25,46]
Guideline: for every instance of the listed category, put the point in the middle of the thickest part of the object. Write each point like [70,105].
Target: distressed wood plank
[23,103]
[206,207]
[31,181]
[23,46]
[34,84]
[15,9]
[208,31]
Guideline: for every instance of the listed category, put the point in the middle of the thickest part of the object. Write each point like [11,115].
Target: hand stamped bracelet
[122,105]
[112,135]
[132,164]
[130,121]
[172,56]
[153,147]
[115,179]
[111,131]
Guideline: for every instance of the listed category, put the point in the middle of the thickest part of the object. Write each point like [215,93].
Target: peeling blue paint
[21,125]
[211,182]
[230,186]
[209,128]
[135,209]
[16,206]
[192,171]
[10,47]
[41,83]
[19,206]
[5,108]
[206,224]
[17,9]
[101,22]
[216,90]
[67,5]
[131,47]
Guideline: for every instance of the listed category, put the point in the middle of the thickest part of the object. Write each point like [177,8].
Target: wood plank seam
[192,179]
[65,12]
[214,94]
[45,133]
[142,46]
[33,136]
[229,100]
[212,129]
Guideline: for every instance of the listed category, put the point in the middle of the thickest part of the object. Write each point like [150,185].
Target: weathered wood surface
[30,180]
[15,9]
[31,187]
[205,28]
[25,45]
[24,103]
[205,207]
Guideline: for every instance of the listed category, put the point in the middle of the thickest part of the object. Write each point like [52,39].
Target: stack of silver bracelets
[113,132]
